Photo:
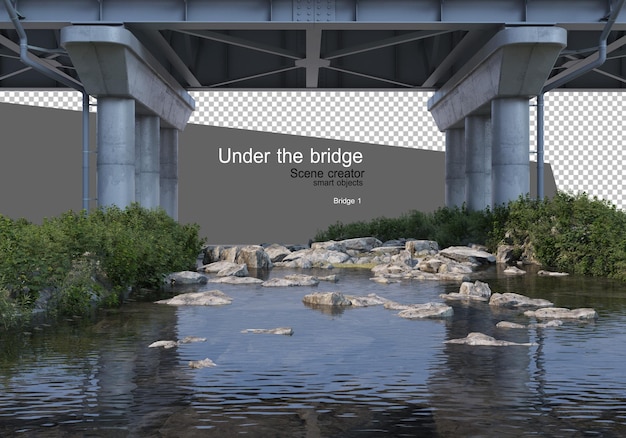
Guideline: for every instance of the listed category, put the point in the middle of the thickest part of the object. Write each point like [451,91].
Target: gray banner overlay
[263,201]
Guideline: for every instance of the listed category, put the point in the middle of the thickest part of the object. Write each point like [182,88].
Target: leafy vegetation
[446,226]
[82,260]
[573,233]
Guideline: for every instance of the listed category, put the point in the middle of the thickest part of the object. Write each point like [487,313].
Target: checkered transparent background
[583,133]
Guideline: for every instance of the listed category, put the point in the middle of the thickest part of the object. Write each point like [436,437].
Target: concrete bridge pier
[478,162]
[511,131]
[488,98]
[141,109]
[168,181]
[116,151]
[455,168]
[147,161]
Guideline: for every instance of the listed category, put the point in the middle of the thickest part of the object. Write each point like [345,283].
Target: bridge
[483,61]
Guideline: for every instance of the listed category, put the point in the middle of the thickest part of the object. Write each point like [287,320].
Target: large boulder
[511,300]
[318,256]
[477,291]
[186,278]
[206,298]
[584,313]
[277,252]
[236,280]
[422,247]
[326,299]
[366,301]
[428,310]
[234,270]
[254,257]
[215,267]
[292,280]
[361,244]
[465,254]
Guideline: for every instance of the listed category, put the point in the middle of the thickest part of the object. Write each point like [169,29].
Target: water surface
[343,373]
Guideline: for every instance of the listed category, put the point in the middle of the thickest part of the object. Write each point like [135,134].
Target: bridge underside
[300,44]
[469,52]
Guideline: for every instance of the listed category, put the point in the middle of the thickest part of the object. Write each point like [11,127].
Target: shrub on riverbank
[79,259]
[573,233]
[446,226]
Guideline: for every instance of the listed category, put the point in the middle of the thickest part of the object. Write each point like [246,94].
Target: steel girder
[300,44]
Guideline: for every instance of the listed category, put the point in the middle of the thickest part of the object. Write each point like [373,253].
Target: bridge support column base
[147,146]
[478,162]
[510,142]
[455,168]
[116,151]
[168,180]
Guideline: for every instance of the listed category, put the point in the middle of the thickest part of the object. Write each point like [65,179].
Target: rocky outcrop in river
[389,262]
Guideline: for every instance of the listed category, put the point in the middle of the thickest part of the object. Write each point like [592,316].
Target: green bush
[447,226]
[77,253]
[573,233]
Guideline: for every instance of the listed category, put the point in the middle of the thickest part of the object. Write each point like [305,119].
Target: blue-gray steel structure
[299,44]
[140,57]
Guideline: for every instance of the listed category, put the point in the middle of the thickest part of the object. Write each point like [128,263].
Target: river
[353,372]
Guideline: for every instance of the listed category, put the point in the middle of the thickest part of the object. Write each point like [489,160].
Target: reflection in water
[353,373]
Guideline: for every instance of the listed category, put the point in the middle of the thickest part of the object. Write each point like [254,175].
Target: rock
[428,310]
[361,244]
[287,331]
[480,339]
[236,280]
[384,280]
[552,274]
[430,265]
[326,299]
[301,263]
[393,305]
[477,291]
[254,257]
[403,258]
[390,269]
[563,313]
[164,344]
[386,250]
[510,325]
[318,256]
[277,252]
[292,280]
[186,278]
[204,363]
[206,298]
[421,247]
[192,339]
[369,300]
[513,325]
[505,254]
[234,270]
[464,254]
[332,278]
[514,270]
[217,266]
[511,300]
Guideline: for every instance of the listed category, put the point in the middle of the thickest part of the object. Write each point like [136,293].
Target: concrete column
[116,151]
[147,167]
[169,171]
[455,168]
[478,162]
[510,122]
